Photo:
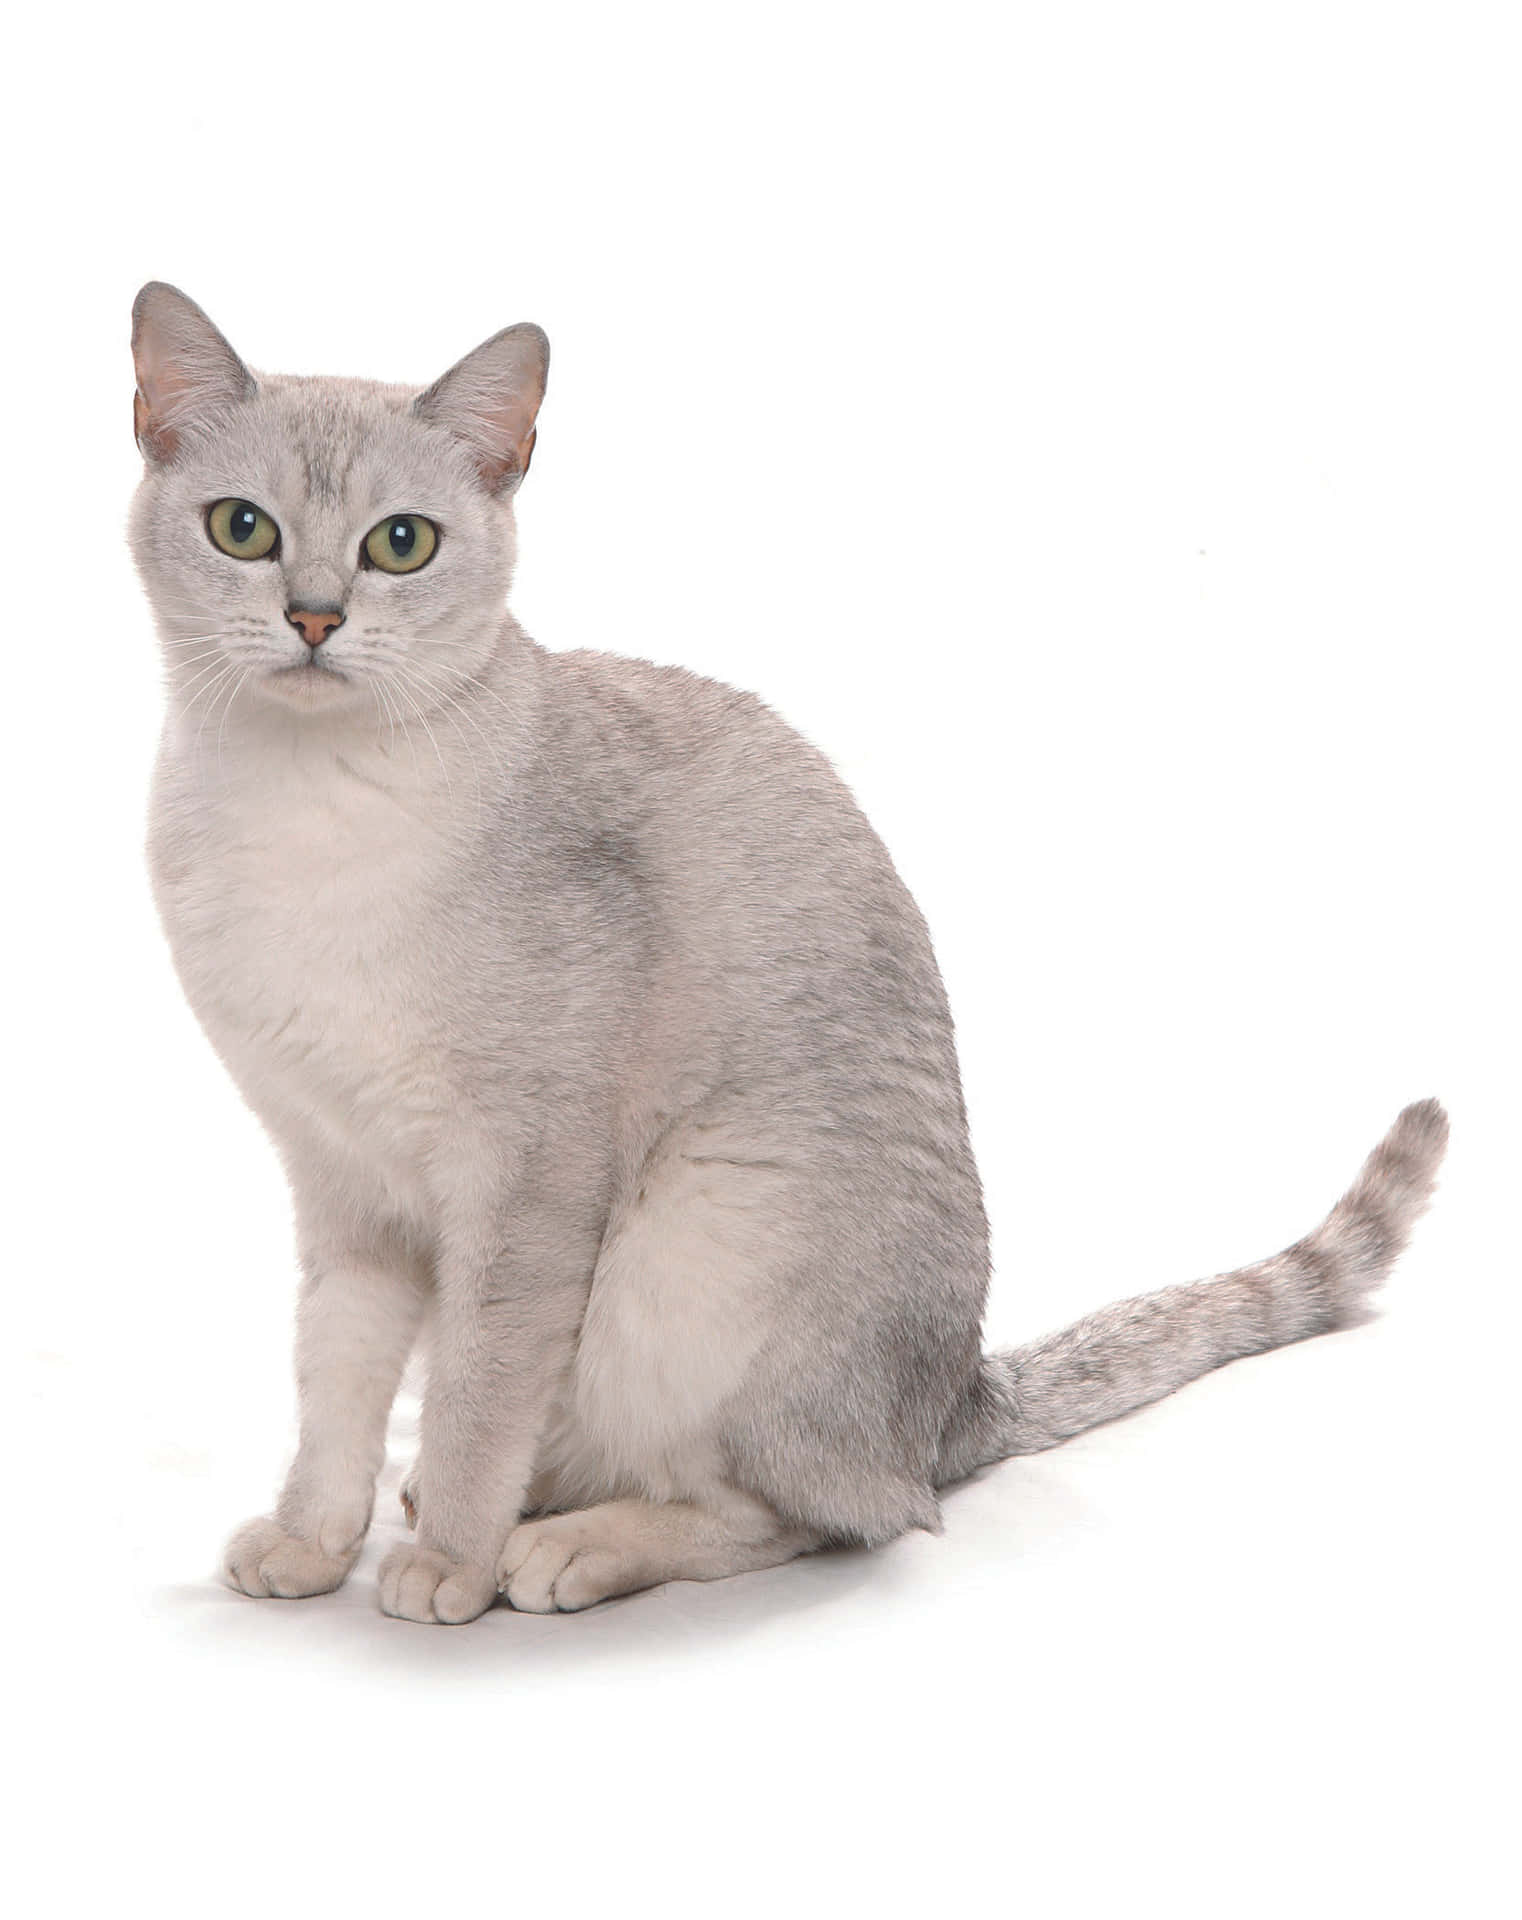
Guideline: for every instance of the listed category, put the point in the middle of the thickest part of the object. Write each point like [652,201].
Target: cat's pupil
[241,523]
[403,538]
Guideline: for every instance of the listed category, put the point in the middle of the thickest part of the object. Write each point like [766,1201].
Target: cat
[604,1049]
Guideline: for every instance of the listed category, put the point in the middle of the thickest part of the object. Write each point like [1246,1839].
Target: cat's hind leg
[567,1561]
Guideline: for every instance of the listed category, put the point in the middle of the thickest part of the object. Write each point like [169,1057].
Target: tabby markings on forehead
[324,481]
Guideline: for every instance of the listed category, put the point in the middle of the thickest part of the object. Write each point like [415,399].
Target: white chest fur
[299,898]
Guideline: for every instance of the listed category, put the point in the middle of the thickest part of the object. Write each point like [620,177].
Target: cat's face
[325,544]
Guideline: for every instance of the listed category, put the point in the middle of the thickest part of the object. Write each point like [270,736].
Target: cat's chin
[309,688]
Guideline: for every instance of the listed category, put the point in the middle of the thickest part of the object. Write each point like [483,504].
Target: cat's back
[772,904]
[699,771]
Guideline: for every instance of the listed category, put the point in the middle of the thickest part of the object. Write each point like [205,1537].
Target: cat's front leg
[356,1322]
[502,1337]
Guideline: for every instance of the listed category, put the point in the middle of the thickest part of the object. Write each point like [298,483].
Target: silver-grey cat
[605,1051]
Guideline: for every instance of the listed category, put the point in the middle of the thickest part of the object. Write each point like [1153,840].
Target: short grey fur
[604,1049]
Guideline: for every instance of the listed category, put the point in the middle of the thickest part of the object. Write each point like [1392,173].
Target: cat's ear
[185,369]
[490,399]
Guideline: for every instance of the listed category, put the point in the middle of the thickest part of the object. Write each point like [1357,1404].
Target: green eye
[402,544]
[240,528]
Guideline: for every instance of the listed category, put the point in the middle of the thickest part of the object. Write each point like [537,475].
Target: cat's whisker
[431,685]
[489,693]
[463,682]
[210,679]
[390,717]
[210,694]
[210,653]
[406,733]
[179,612]
[407,671]
[222,728]
[415,669]
[435,692]
[174,632]
[189,694]
[401,687]
[229,645]
[375,695]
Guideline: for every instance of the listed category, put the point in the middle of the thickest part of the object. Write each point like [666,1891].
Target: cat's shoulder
[673,710]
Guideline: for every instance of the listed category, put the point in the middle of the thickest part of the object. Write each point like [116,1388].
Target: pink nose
[314,623]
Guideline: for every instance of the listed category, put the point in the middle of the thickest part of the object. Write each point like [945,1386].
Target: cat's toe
[551,1566]
[419,1584]
[407,1493]
[267,1563]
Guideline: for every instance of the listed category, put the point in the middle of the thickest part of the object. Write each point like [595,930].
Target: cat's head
[320,537]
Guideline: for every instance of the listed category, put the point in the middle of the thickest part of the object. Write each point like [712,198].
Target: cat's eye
[401,544]
[240,528]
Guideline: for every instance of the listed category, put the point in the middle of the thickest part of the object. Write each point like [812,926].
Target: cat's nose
[314,624]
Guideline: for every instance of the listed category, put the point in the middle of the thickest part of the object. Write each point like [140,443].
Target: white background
[1099,428]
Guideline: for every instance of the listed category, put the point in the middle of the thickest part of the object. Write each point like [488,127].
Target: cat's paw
[407,1493]
[267,1563]
[560,1565]
[419,1584]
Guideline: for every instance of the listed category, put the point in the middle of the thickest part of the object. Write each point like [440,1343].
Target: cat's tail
[1028,1398]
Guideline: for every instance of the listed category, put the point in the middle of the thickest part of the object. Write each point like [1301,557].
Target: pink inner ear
[153,426]
[489,401]
[168,389]
[509,442]
[496,424]
[184,367]
[157,406]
